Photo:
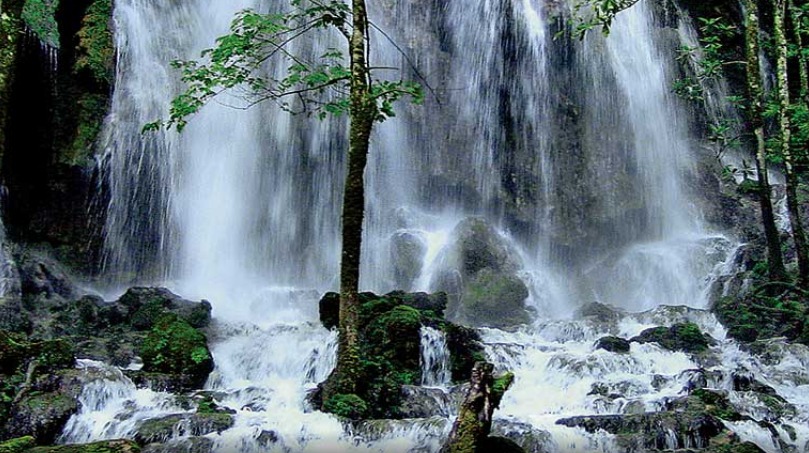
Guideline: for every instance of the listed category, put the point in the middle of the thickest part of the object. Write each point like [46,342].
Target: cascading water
[576,152]
[435,358]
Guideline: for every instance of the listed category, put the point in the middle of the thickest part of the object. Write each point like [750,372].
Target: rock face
[49,120]
[689,422]
[38,387]
[161,429]
[480,276]
[407,252]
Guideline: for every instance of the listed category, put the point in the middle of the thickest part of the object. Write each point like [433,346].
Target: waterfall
[577,153]
[435,358]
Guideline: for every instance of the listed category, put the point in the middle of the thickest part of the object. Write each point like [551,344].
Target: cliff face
[56,89]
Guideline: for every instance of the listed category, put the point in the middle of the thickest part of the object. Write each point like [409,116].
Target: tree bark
[474,422]
[775,259]
[362,115]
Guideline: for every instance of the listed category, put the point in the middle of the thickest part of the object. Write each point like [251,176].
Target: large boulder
[480,274]
[407,254]
[174,347]
[685,337]
[144,306]
[494,299]
[38,387]
[199,424]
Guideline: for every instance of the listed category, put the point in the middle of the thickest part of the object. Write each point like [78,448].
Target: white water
[435,358]
[242,209]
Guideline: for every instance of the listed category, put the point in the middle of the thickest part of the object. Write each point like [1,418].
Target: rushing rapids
[242,209]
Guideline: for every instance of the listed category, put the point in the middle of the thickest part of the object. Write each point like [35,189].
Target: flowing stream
[576,152]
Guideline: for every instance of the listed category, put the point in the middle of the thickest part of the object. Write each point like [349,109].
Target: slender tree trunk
[803,72]
[775,260]
[793,205]
[362,119]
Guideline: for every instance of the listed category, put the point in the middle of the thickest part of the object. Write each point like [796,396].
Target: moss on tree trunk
[474,422]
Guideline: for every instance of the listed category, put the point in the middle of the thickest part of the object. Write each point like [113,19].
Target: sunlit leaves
[246,63]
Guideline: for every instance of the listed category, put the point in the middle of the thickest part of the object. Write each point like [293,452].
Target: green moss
[174,347]
[109,446]
[717,404]
[17,445]
[684,337]
[40,17]
[95,52]
[91,111]
[348,406]
[756,316]
[502,383]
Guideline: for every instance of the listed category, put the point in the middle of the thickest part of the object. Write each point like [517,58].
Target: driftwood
[474,423]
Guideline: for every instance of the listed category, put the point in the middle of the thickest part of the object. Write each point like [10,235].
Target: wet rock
[684,337]
[494,300]
[107,446]
[530,439]
[598,312]
[613,344]
[43,406]
[686,423]
[144,306]
[329,306]
[267,438]
[480,274]
[465,348]
[175,348]
[423,402]
[500,445]
[478,246]
[189,445]
[424,302]
[163,428]
[43,281]
[407,254]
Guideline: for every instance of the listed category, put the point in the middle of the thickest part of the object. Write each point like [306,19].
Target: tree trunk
[793,205]
[775,260]
[474,422]
[802,63]
[362,112]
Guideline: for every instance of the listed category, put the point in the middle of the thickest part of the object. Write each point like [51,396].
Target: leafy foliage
[257,40]
[597,14]
[96,52]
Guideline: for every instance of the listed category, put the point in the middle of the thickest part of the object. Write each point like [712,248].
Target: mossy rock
[348,406]
[13,351]
[717,404]
[199,424]
[42,415]
[17,445]
[756,316]
[175,347]
[613,344]
[494,299]
[684,337]
[465,349]
[146,305]
[107,446]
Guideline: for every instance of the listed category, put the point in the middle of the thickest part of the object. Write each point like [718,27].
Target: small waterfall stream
[435,358]
[576,153]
